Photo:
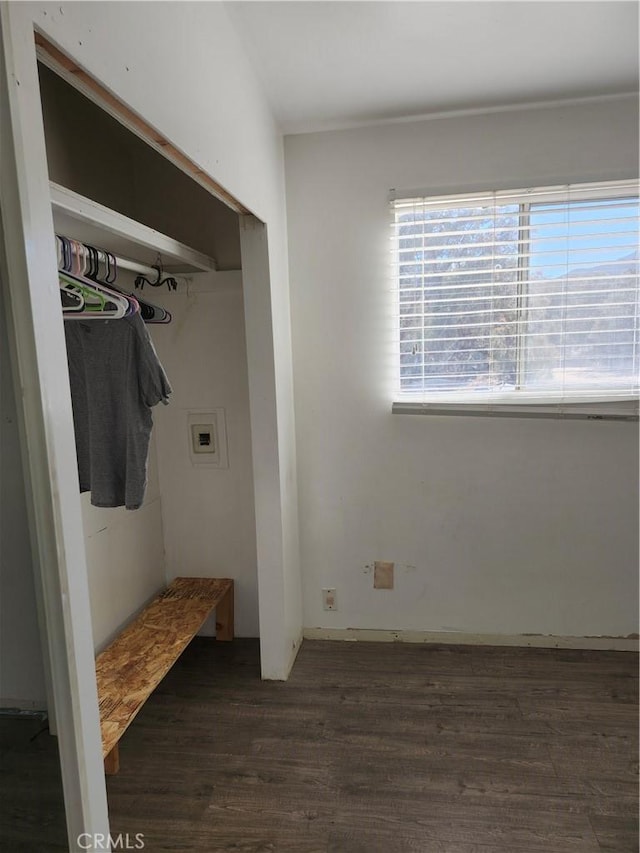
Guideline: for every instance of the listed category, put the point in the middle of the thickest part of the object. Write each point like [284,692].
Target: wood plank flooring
[368,748]
[32,818]
[375,748]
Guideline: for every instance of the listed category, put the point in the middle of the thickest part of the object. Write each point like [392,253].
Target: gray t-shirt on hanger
[115,379]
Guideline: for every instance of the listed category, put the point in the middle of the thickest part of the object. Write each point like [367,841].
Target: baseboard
[540,641]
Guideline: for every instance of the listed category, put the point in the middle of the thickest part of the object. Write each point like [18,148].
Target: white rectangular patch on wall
[207,437]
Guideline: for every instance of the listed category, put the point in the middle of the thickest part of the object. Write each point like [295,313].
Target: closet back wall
[208,512]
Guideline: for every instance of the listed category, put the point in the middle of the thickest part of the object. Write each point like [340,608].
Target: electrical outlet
[329,600]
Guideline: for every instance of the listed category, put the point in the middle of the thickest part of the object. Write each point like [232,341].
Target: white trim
[296,128]
[538,641]
[44,405]
[577,411]
[558,192]
[277,650]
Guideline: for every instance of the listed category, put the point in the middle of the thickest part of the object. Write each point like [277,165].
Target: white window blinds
[526,295]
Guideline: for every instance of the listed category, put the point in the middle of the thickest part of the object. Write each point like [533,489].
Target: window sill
[620,410]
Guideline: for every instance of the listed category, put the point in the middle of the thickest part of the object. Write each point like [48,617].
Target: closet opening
[113,191]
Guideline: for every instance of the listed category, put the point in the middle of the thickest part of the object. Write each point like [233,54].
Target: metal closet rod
[126,264]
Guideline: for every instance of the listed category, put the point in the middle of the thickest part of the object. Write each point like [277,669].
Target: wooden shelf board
[135,663]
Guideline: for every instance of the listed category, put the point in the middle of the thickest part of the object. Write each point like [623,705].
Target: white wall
[496,526]
[208,512]
[206,100]
[125,556]
[21,672]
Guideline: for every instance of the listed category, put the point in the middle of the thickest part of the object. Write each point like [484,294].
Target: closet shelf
[85,220]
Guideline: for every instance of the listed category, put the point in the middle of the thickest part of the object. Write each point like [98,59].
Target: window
[526,296]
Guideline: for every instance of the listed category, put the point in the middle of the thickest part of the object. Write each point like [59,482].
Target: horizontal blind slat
[538,286]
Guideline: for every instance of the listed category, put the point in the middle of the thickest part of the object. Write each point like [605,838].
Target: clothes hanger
[79,275]
[92,301]
[154,313]
[72,300]
[169,280]
[100,302]
[149,312]
[85,263]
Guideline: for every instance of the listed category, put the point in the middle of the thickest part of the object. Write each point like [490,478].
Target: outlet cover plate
[329,599]
[383,575]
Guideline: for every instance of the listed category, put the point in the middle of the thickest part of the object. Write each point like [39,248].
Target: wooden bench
[130,669]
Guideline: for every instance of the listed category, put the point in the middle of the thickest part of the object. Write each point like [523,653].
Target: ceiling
[325,65]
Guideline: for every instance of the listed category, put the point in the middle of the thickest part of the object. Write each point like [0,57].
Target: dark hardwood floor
[376,748]
[32,818]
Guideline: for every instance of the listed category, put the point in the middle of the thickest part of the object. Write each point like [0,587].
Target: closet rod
[134,266]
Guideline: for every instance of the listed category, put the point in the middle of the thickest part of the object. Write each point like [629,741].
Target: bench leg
[112,762]
[224,617]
